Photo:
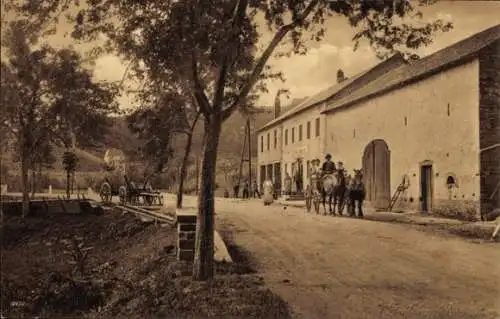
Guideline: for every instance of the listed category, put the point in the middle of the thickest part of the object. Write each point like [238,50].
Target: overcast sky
[306,75]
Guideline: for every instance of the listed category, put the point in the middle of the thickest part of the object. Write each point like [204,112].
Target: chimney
[277,105]
[341,76]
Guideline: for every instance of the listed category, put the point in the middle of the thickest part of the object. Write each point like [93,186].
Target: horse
[347,202]
[339,191]
[328,183]
[357,194]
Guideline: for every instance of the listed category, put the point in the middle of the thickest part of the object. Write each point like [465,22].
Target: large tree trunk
[33,183]
[25,182]
[182,174]
[183,171]
[39,179]
[68,178]
[203,267]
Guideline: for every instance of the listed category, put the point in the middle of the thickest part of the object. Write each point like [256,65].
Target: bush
[460,210]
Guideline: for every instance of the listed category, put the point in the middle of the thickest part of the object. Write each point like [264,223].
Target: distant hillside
[120,137]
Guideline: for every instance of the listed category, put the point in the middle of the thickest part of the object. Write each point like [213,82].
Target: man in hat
[340,168]
[341,173]
[328,166]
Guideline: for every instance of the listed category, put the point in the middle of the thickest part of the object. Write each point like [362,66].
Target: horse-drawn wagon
[341,191]
[135,194]
[110,187]
[130,192]
[127,191]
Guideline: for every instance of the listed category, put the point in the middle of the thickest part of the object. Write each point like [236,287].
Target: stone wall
[186,232]
[489,120]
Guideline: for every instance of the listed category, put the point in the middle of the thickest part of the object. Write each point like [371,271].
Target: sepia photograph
[292,159]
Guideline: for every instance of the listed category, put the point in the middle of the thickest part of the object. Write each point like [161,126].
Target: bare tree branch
[198,91]
[238,16]
[280,34]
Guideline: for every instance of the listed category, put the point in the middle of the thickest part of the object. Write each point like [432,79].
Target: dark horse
[356,194]
[339,192]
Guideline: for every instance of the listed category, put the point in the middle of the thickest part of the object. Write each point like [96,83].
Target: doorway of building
[277,178]
[377,173]
[426,187]
[300,175]
[269,173]
[262,175]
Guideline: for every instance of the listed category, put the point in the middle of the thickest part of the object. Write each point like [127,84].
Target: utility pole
[247,141]
[242,159]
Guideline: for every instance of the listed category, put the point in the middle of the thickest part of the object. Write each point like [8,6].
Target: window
[317,127]
[293,135]
[262,143]
[406,121]
[286,137]
[268,141]
[300,132]
[448,110]
[308,130]
[451,181]
[451,185]
[275,138]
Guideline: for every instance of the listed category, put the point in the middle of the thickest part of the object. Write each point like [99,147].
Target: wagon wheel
[105,192]
[308,198]
[122,193]
[316,201]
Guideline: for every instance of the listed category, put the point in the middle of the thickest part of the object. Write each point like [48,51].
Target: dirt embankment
[129,271]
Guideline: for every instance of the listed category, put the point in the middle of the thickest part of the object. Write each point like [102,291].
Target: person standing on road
[255,189]
[236,189]
[298,178]
[246,192]
[288,184]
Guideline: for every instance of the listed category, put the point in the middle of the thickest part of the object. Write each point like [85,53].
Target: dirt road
[346,268]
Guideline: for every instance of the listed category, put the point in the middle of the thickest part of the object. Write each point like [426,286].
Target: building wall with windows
[303,140]
[433,122]
[269,153]
[431,125]
[299,137]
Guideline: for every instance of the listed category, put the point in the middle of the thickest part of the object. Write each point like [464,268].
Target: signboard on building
[300,152]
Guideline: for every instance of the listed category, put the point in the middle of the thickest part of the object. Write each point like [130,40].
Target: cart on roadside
[137,194]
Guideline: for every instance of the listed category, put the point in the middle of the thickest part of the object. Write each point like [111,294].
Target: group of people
[345,189]
[246,190]
[327,168]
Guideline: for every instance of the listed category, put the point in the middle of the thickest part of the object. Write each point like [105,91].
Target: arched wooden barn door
[377,173]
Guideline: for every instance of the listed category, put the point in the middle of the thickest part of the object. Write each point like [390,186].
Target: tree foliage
[49,93]
[213,46]
[44,92]
[81,106]
[155,125]
[69,161]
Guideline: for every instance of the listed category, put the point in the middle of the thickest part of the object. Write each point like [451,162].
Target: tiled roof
[419,69]
[307,103]
[341,89]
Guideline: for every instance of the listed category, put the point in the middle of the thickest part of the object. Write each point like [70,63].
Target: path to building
[346,268]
